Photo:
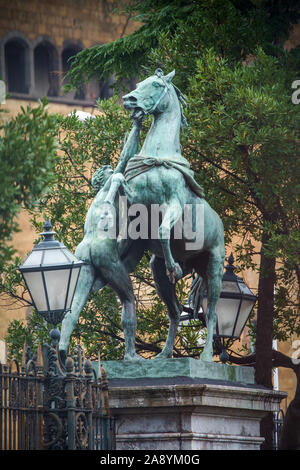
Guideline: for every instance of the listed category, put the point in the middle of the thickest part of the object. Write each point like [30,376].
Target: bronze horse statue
[157,176]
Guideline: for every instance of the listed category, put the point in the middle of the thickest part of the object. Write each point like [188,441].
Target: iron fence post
[70,403]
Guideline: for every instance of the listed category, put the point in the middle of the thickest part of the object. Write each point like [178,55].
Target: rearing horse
[160,175]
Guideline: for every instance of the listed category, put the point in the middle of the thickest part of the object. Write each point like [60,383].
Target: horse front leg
[172,214]
[214,275]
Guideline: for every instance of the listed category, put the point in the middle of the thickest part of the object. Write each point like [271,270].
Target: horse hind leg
[166,291]
[214,275]
[170,217]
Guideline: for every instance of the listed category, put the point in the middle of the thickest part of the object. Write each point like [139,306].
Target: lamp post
[233,308]
[67,392]
[51,273]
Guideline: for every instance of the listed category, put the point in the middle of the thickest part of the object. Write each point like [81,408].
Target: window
[67,55]
[45,70]
[15,52]
[106,89]
[34,68]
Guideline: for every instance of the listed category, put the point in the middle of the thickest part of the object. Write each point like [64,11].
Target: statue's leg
[116,181]
[118,279]
[170,217]
[214,275]
[84,285]
[166,291]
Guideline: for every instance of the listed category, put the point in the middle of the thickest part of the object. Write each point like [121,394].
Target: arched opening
[45,70]
[15,52]
[106,88]
[67,55]
[100,89]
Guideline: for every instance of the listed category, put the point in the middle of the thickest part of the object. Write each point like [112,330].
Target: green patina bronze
[157,175]
[186,367]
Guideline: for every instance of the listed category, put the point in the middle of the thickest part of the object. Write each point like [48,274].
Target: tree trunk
[264,334]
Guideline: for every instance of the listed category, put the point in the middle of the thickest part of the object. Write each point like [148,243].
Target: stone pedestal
[187,412]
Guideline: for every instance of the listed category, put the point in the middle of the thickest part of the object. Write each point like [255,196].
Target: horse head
[149,97]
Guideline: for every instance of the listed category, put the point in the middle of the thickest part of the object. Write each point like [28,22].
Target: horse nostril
[132,99]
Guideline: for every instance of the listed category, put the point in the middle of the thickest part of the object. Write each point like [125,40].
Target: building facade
[38,39]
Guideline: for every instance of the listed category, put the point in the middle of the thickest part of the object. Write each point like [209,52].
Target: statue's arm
[131,145]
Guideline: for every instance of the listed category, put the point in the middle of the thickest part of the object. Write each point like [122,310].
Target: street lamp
[51,273]
[233,308]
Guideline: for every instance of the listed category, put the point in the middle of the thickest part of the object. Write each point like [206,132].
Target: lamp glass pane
[245,289]
[245,311]
[230,286]
[227,311]
[57,284]
[74,277]
[35,285]
[55,256]
[34,259]
[70,255]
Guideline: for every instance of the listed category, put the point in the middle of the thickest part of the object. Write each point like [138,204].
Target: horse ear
[170,76]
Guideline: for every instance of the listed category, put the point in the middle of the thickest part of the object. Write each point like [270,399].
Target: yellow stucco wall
[90,21]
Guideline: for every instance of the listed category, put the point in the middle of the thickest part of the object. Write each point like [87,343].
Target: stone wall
[39,38]
[88,21]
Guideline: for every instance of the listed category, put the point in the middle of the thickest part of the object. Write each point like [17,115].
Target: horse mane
[182,102]
[181,97]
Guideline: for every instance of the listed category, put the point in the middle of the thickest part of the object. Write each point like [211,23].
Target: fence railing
[278,418]
[44,406]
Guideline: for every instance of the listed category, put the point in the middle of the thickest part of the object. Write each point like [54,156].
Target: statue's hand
[137,117]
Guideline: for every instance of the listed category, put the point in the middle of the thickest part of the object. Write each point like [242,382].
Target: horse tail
[196,294]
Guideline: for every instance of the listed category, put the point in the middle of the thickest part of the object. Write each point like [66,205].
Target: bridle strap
[159,99]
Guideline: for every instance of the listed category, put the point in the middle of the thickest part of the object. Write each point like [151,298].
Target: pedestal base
[186,412]
[178,367]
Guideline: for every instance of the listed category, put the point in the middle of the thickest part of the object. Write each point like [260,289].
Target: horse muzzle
[129,101]
[130,104]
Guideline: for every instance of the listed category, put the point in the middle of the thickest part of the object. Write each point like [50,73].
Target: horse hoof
[175,273]
[163,355]
[132,357]
[206,357]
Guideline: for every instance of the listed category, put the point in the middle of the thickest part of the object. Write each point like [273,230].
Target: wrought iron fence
[43,406]
[278,418]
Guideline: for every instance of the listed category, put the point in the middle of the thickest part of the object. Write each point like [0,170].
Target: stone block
[190,416]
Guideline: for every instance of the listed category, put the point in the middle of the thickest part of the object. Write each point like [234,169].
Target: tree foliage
[234,28]
[245,147]
[27,159]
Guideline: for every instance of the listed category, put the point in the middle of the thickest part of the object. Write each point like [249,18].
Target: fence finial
[23,363]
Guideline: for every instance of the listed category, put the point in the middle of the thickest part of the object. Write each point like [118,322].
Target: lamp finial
[47,225]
